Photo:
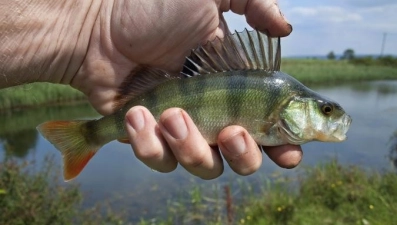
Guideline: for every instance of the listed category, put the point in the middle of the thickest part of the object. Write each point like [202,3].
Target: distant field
[315,71]
[308,71]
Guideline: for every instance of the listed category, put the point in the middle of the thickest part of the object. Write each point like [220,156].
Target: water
[115,174]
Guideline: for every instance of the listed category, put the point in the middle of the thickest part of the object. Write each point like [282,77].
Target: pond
[115,174]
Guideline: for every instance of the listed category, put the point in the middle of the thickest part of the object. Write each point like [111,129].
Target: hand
[161,34]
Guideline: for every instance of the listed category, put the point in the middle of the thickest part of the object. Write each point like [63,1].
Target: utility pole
[383,43]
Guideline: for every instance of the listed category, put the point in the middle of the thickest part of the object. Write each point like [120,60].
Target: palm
[161,36]
[158,34]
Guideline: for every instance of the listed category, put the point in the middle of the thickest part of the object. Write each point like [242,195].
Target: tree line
[350,56]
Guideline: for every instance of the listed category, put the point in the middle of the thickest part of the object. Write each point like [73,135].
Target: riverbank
[327,194]
[308,71]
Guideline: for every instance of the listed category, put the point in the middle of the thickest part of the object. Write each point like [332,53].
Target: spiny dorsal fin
[140,80]
[247,50]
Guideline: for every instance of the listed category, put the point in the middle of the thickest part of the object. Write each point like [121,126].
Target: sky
[335,25]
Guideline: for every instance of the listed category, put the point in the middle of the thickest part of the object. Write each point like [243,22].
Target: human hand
[160,34]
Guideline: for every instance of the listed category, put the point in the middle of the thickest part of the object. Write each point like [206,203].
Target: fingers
[286,156]
[188,145]
[263,15]
[148,144]
[176,139]
[239,150]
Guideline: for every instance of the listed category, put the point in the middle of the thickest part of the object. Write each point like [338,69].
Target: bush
[28,197]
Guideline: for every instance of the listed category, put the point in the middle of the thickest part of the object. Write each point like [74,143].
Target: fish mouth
[342,128]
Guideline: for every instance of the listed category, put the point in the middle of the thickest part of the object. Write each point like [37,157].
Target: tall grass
[37,94]
[38,198]
[327,194]
[315,71]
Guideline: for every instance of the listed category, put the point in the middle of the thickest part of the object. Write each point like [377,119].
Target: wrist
[44,41]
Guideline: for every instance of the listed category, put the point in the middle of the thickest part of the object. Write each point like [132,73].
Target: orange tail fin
[69,139]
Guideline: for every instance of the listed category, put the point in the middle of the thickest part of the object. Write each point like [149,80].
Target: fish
[234,80]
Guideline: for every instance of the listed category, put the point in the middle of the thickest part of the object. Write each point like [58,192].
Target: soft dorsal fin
[140,80]
[247,50]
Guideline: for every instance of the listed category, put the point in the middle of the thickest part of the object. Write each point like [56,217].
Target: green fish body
[233,81]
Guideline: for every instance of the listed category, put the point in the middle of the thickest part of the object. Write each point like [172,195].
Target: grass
[38,198]
[315,71]
[327,194]
[38,94]
[308,71]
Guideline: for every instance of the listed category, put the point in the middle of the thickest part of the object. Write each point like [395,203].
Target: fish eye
[327,109]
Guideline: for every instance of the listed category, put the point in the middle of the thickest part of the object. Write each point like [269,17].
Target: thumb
[263,15]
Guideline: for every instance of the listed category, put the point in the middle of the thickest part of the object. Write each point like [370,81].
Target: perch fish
[235,80]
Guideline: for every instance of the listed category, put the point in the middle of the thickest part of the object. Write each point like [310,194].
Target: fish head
[307,119]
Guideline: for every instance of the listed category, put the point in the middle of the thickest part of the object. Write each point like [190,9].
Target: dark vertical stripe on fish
[199,88]
[151,101]
[236,87]
[119,124]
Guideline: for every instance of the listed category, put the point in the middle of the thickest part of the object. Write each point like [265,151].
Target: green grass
[37,198]
[315,71]
[327,194]
[38,94]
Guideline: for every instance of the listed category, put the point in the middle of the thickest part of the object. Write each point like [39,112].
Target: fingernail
[235,144]
[290,28]
[136,119]
[176,125]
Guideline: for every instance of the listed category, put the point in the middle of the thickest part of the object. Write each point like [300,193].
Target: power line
[384,42]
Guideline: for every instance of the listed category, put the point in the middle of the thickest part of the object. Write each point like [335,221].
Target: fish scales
[230,81]
[214,104]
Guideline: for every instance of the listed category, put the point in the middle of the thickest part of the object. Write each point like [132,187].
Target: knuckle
[193,160]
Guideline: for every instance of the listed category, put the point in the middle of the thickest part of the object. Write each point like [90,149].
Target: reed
[329,193]
[316,71]
[38,94]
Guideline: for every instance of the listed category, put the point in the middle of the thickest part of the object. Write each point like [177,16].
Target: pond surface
[114,173]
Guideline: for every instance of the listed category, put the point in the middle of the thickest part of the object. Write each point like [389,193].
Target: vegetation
[388,61]
[327,194]
[39,198]
[348,54]
[316,71]
[37,94]
[331,55]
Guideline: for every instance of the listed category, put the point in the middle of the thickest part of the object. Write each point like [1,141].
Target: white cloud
[331,14]
[322,26]
[367,3]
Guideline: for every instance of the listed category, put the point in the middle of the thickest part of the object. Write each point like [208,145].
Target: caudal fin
[69,139]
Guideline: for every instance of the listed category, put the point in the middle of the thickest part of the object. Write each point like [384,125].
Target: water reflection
[382,88]
[18,132]
[115,173]
[18,143]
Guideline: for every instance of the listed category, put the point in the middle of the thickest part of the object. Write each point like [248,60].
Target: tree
[331,55]
[348,54]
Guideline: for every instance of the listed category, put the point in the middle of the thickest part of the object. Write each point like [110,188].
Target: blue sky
[335,25]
